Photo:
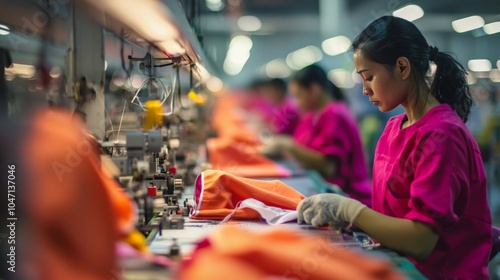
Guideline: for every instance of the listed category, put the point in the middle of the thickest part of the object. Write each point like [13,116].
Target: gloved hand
[328,208]
[276,145]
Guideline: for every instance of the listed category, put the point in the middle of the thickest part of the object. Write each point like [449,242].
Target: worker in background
[327,138]
[429,184]
[284,115]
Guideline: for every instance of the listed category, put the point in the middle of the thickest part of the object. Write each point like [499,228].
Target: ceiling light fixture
[341,78]
[277,68]
[410,12]
[4,30]
[492,28]
[479,65]
[336,45]
[249,23]
[467,24]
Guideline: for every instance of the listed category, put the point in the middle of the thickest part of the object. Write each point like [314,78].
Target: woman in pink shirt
[327,138]
[429,184]
[284,114]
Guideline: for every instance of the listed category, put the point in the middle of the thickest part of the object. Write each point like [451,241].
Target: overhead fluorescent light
[479,65]
[215,5]
[307,55]
[241,42]
[336,45]
[214,84]
[492,28]
[495,75]
[356,77]
[470,78]
[237,55]
[467,24]
[277,68]
[55,72]
[410,12]
[291,63]
[341,78]
[4,30]
[22,70]
[303,57]
[249,23]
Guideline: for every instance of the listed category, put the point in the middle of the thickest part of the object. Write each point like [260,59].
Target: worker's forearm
[414,239]
[313,160]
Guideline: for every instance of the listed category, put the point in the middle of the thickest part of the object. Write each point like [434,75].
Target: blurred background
[46,46]
[246,41]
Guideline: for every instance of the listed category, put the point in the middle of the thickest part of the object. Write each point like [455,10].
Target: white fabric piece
[272,215]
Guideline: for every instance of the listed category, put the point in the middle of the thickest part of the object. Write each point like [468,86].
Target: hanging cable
[128,71]
[179,92]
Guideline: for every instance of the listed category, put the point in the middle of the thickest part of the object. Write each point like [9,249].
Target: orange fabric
[242,159]
[233,253]
[235,150]
[217,193]
[78,212]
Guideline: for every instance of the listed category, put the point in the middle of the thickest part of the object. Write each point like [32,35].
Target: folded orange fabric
[217,194]
[235,149]
[242,159]
[233,253]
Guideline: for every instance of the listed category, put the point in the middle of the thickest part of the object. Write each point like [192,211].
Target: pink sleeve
[440,180]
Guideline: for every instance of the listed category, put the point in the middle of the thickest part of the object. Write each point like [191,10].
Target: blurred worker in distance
[429,183]
[284,116]
[327,138]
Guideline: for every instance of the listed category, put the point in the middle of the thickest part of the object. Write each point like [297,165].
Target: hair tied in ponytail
[433,52]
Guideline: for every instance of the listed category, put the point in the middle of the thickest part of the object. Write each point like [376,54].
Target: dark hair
[314,74]
[278,84]
[388,38]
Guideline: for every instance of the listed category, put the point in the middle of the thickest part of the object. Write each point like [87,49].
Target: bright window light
[410,12]
[467,24]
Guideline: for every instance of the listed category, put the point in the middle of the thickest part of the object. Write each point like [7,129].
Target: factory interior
[250,139]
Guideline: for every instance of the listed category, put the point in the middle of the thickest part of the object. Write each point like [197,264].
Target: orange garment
[242,159]
[217,193]
[233,253]
[78,211]
[235,149]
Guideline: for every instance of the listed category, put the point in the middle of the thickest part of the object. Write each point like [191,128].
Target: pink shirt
[432,172]
[334,132]
[285,118]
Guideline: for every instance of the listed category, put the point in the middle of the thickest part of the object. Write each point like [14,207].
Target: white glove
[329,208]
[276,145]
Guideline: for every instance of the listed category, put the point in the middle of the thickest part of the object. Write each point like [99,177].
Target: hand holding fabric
[327,208]
[276,145]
